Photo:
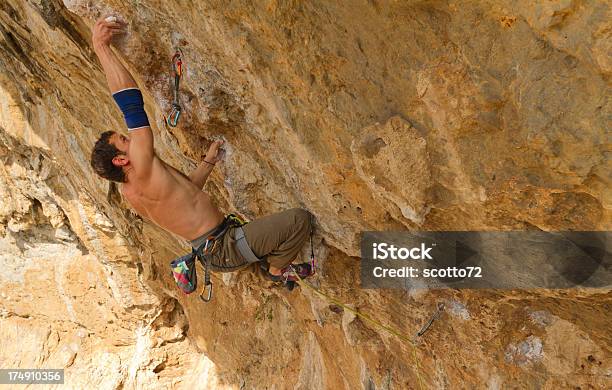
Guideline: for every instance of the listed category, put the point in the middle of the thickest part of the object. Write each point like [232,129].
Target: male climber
[175,201]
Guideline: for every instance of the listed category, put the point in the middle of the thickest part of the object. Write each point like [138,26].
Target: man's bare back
[172,201]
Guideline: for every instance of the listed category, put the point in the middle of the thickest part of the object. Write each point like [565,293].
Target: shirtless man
[175,201]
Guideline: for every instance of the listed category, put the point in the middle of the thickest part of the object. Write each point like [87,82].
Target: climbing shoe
[287,274]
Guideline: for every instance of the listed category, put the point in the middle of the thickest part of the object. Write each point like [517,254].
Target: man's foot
[287,274]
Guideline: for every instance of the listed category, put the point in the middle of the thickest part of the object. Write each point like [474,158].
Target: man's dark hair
[102,159]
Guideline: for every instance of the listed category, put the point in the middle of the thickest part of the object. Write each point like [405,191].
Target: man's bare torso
[172,201]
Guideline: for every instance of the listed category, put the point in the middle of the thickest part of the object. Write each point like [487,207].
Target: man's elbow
[131,104]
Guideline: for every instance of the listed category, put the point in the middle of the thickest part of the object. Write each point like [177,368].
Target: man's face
[122,143]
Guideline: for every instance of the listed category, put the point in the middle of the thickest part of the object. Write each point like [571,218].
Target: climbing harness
[173,116]
[204,254]
[436,314]
[184,270]
[366,317]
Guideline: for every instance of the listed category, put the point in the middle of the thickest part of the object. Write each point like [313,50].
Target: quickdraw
[173,116]
[208,287]
[313,264]
[431,320]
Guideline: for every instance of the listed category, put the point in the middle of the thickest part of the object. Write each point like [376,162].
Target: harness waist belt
[218,232]
[213,232]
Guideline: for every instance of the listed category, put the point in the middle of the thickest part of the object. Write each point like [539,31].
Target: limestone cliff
[373,115]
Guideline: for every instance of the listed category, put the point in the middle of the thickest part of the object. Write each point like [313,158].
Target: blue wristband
[131,104]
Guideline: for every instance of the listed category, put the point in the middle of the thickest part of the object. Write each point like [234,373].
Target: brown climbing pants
[277,238]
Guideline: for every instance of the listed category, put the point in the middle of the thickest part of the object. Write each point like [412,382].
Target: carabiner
[173,117]
[177,63]
[208,287]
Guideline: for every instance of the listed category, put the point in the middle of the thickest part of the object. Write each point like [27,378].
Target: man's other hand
[105,29]
[215,153]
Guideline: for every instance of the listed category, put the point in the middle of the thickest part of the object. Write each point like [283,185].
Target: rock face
[483,115]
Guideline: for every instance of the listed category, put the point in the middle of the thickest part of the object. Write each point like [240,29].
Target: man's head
[109,156]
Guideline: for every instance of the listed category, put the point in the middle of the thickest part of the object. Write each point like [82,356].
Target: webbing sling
[243,247]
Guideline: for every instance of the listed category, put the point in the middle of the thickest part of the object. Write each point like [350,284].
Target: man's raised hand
[105,29]
[215,153]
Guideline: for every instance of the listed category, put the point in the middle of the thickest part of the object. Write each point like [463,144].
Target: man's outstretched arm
[117,76]
[201,173]
[126,94]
